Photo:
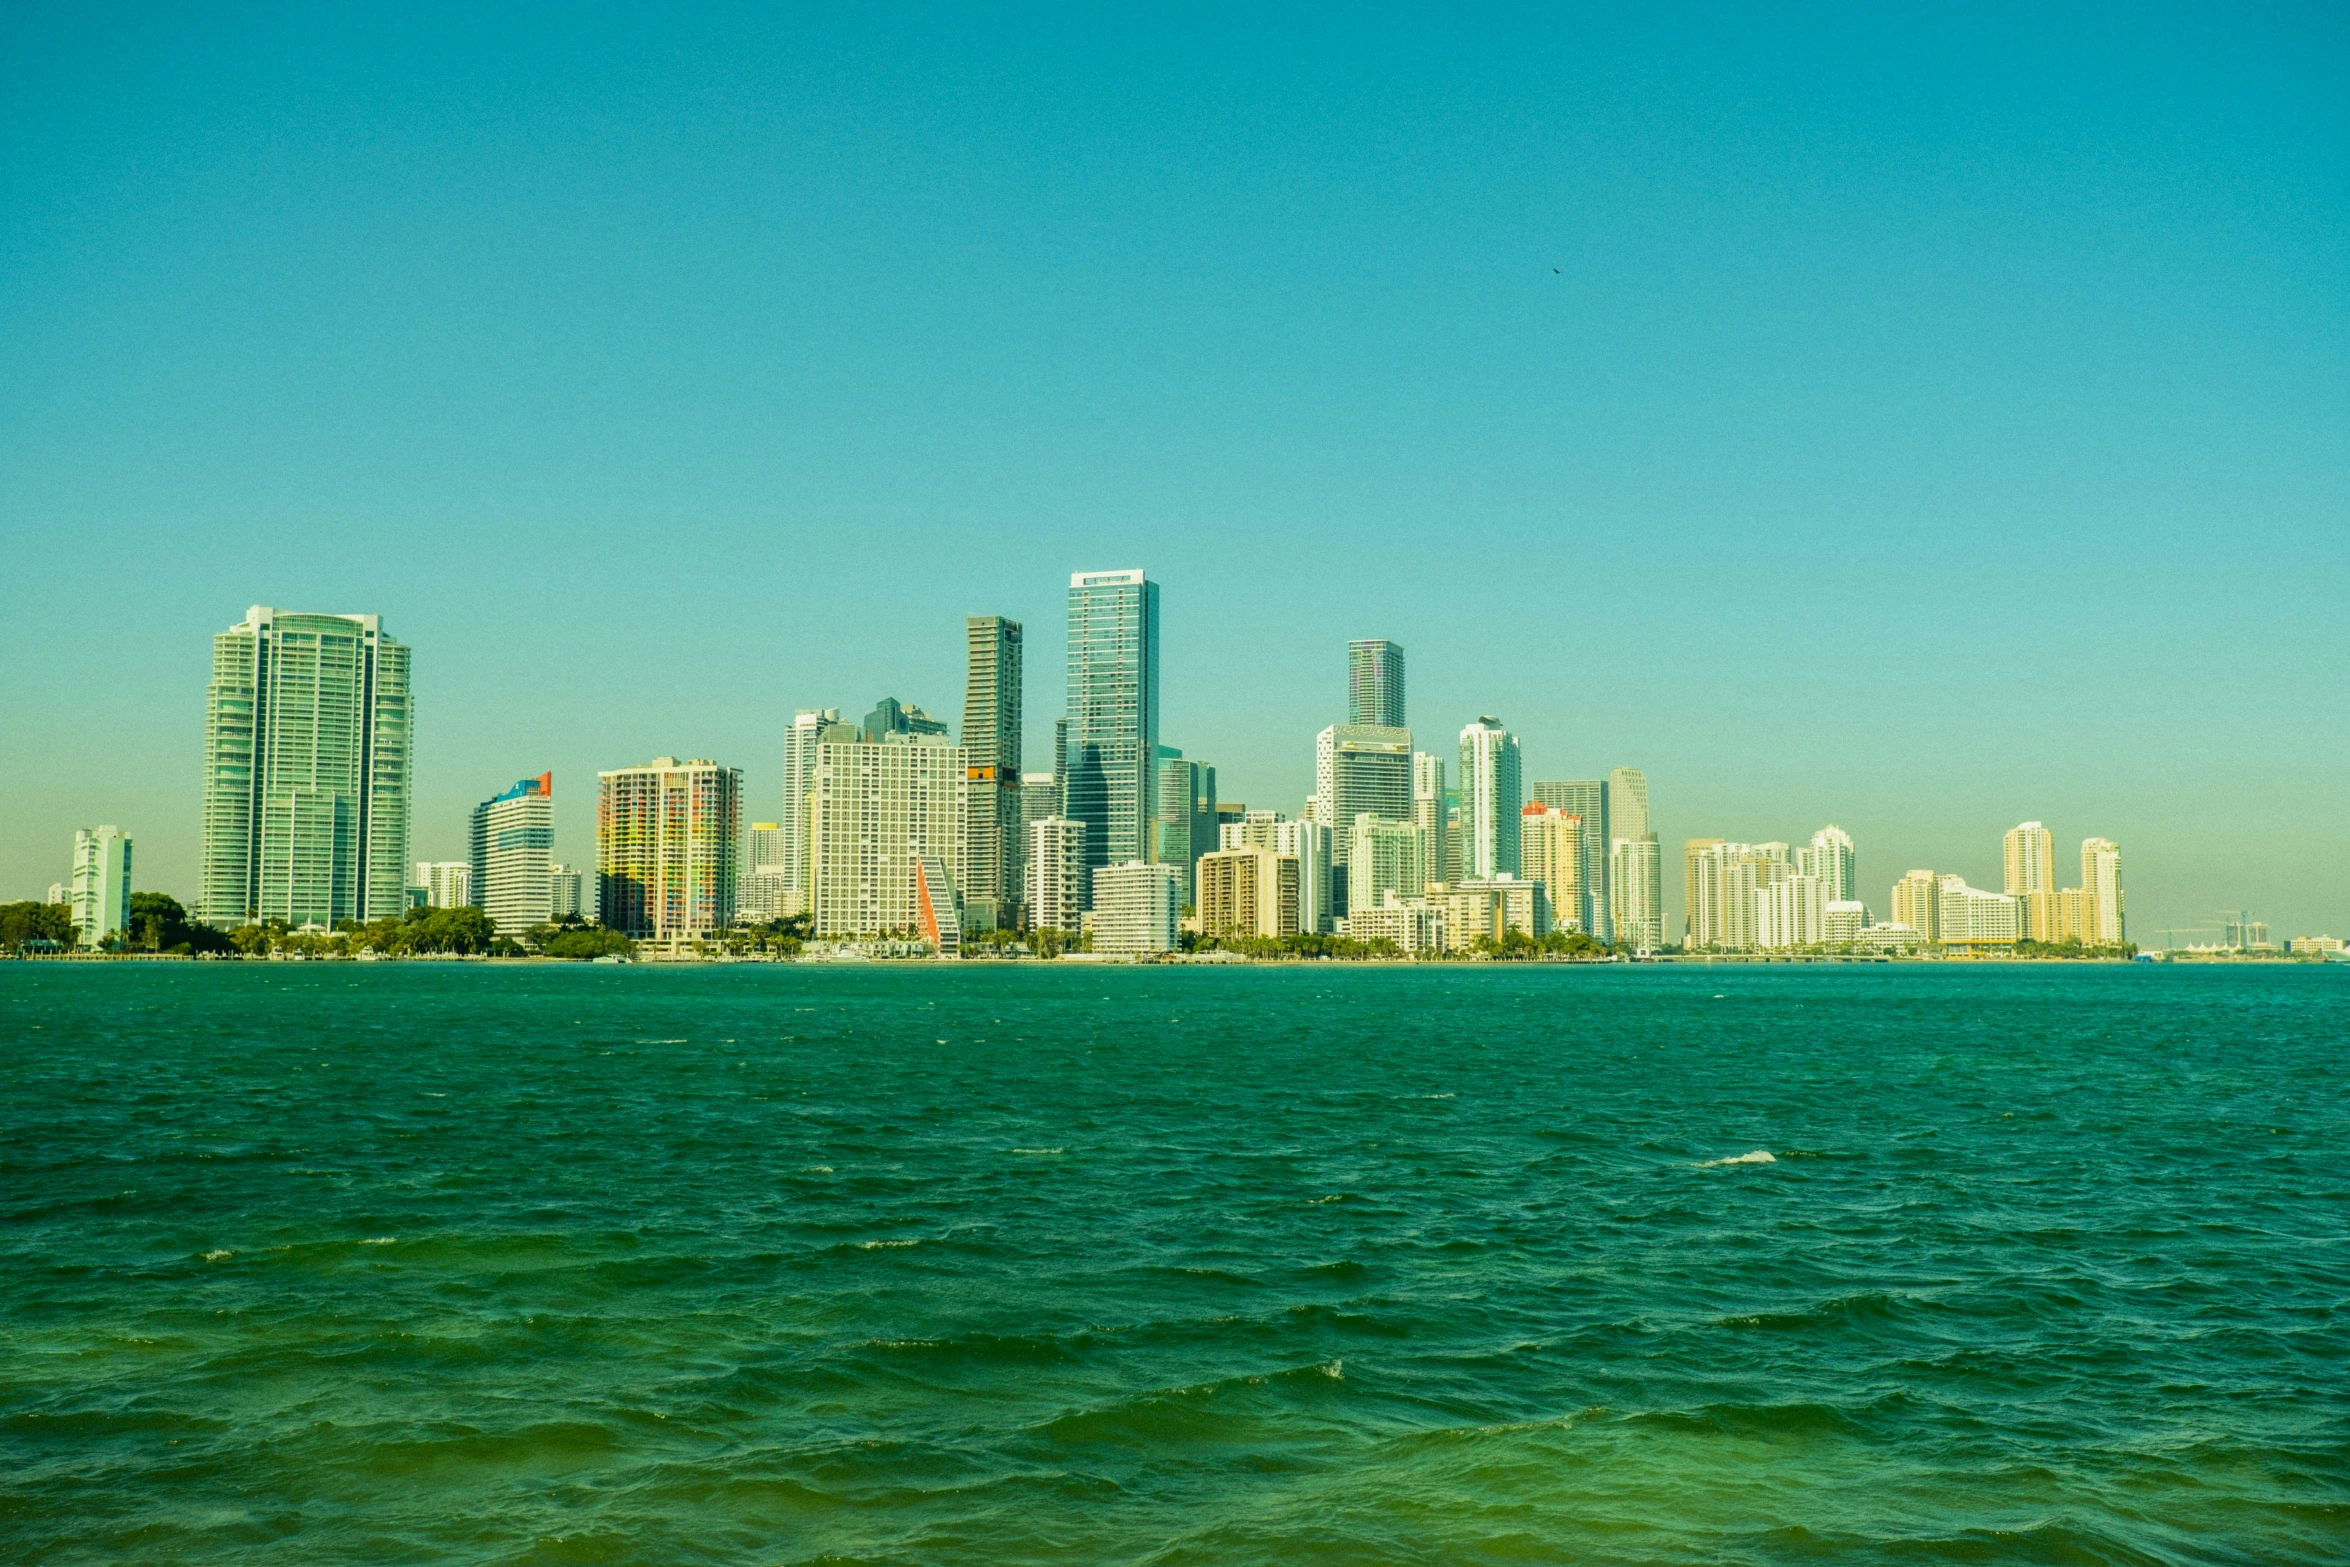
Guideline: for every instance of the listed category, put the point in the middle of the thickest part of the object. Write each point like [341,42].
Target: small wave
[1333,1197]
[885,1245]
[815,1169]
[1037,1150]
[380,1240]
[222,1255]
[1759,1156]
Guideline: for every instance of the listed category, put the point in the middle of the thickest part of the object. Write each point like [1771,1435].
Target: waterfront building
[2068,919]
[991,746]
[1307,841]
[2028,853]
[1384,857]
[1491,797]
[877,809]
[1428,814]
[1701,892]
[1374,684]
[1040,797]
[1635,882]
[1890,936]
[1110,770]
[1359,769]
[808,727]
[1490,907]
[668,847]
[1135,908]
[563,893]
[1249,892]
[513,841]
[101,889]
[1412,926]
[1917,905]
[306,771]
[2101,893]
[1186,817]
[1725,884]
[1056,889]
[1550,851]
[1790,913]
[446,884]
[1829,856]
[1973,919]
[1842,920]
[1588,798]
[937,918]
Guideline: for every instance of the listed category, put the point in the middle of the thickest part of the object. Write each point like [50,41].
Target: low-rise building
[1412,926]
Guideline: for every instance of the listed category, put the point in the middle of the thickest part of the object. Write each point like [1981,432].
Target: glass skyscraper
[306,771]
[1113,743]
[991,741]
[1374,683]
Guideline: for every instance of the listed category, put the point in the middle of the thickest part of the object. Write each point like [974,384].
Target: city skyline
[1926,431]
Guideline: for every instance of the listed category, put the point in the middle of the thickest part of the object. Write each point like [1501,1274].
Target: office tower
[1917,904]
[877,809]
[1307,841]
[1385,857]
[1588,798]
[1186,825]
[1249,892]
[1491,797]
[799,776]
[446,884]
[1790,913]
[892,717]
[1374,684]
[563,900]
[1134,908]
[1113,712]
[101,895]
[1969,917]
[2028,853]
[1428,812]
[2101,893]
[668,847]
[513,841]
[991,737]
[1829,856]
[1360,769]
[306,772]
[1550,851]
[1056,874]
[1635,883]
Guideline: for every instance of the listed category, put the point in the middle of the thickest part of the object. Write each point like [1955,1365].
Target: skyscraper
[1056,874]
[306,772]
[1359,769]
[101,887]
[1113,712]
[1491,795]
[2028,856]
[446,884]
[1829,856]
[668,846]
[1550,851]
[1186,824]
[1917,903]
[1374,682]
[2101,893]
[1588,798]
[991,745]
[1387,857]
[1429,813]
[513,843]
[799,775]
[1631,840]
[877,810]
[1135,909]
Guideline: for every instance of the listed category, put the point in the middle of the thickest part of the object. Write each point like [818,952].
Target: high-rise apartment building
[1491,908]
[1385,857]
[1429,813]
[513,842]
[101,886]
[1726,884]
[991,742]
[1917,904]
[668,848]
[1056,874]
[1628,822]
[1248,892]
[2028,856]
[2101,893]
[1829,856]
[1588,799]
[306,771]
[1306,841]
[1374,684]
[1360,769]
[1550,851]
[1491,796]
[1971,918]
[878,808]
[447,884]
[1186,823]
[808,728]
[563,893]
[1110,778]
[1790,913]
[1635,883]
[1134,909]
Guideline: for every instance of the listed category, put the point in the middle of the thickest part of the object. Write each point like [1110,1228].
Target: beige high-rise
[2029,851]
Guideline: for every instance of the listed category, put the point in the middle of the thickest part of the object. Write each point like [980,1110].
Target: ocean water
[922,1264]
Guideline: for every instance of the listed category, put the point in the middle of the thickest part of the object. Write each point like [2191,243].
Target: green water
[918,1264]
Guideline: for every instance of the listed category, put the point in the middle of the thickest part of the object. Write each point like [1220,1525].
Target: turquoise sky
[1917,425]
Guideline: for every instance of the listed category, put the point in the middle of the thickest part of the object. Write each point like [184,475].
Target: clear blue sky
[1917,425]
